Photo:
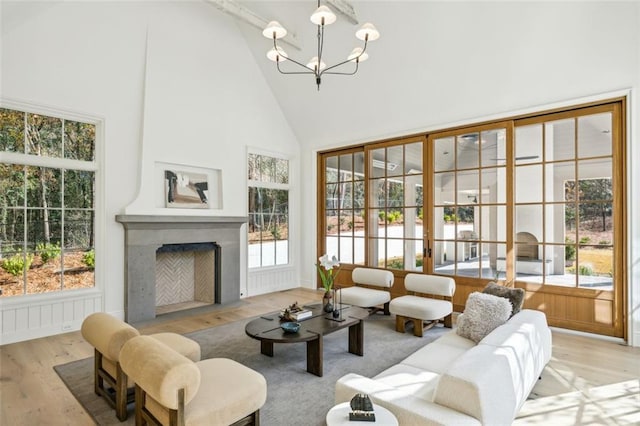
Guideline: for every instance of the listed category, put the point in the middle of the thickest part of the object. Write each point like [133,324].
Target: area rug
[294,397]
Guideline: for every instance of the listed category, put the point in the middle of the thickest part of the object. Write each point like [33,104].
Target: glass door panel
[469,202]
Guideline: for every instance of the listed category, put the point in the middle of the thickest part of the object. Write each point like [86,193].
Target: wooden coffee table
[267,330]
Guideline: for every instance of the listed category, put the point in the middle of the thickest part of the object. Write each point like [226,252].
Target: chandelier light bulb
[323,12]
[313,63]
[274,29]
[276,55]
[353,56]
[368,32]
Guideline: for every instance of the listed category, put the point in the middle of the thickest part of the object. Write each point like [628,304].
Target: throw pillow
[482,314]
[514,295]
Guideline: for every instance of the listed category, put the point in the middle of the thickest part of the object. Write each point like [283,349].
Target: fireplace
[187,276]
[147,236]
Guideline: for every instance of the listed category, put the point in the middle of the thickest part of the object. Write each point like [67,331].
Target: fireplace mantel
[127,219]
[144,234]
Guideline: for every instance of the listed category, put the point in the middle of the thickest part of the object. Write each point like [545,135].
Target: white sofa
[454,381]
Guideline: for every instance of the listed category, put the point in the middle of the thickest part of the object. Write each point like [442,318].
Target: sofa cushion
[438,355]
[529,328]
[415,381]
[482,314]
[514,295]
[481,383]
[365,297]
[229,391]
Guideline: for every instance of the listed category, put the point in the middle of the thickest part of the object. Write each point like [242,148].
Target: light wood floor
[588,381]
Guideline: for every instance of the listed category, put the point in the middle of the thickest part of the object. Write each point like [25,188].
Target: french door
[536,202]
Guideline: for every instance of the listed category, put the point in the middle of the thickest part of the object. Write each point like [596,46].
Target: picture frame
[186,189]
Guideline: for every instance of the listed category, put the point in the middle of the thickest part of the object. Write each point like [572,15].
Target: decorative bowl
[290,327]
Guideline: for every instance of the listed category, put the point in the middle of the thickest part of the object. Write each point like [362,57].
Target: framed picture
[186,190]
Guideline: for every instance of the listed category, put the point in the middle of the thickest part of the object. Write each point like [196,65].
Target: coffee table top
[267,327]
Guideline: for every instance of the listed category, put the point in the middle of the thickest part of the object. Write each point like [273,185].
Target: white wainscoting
[262,281]
[31,317]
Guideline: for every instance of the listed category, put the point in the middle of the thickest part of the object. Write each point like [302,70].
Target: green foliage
[392,216]
[420,213]
[585,240]
[604,242]
[398,262]
[18,263]
[89,259]
[585,269]
[275,231]
[48,251]
[569,251]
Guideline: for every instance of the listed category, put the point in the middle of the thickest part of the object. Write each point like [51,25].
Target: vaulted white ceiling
[440,63]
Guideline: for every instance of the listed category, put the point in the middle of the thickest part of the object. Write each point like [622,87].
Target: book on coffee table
[300,315]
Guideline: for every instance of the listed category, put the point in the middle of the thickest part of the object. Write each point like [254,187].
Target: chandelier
[321,17]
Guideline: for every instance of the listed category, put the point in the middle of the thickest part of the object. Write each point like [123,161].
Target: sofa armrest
[407,408]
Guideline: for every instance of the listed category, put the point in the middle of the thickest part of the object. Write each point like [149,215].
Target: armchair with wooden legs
[107,335]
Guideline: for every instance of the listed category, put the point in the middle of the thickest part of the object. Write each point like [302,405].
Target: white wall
[173,82]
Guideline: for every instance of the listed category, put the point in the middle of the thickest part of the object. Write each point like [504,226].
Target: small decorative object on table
[337,308]
[290,327]
[327,275]
[362,409]
[295,313]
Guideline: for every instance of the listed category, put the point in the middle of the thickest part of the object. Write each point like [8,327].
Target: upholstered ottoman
[419,309]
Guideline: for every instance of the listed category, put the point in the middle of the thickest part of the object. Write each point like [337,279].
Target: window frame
[277,186]
[96,166]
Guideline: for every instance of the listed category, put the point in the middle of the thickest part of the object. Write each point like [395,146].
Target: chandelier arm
[275,46]
[364,49]
[344,73]
[294,72]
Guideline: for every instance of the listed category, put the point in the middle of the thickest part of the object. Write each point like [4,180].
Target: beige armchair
[430,302]
[170,389]
[107,335]
[371,289]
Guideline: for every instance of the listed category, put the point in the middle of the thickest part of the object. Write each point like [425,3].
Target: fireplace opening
[187,276]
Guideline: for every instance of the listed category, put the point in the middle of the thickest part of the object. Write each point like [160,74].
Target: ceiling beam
[344,8]
[238,11]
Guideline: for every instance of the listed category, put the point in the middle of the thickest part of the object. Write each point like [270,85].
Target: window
[537,202]
[564,194]
[47,203]
[344,206]
[389,233]
[268,228]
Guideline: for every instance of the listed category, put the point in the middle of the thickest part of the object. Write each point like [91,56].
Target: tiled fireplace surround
[144,234]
